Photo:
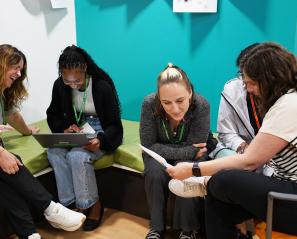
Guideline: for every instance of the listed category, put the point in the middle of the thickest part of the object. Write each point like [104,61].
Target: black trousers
[19,193]
[235,196]
[188,212]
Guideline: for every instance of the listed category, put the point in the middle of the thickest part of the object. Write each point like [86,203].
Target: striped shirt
[281,121]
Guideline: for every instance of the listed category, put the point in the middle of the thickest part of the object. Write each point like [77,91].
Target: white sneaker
[64,218]
[188,188]
[34,236]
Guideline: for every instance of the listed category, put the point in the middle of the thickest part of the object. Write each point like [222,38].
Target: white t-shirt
[78,100]
[281,121]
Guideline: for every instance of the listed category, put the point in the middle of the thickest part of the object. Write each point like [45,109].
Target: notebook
[62,140]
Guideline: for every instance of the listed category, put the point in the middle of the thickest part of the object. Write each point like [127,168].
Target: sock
[50,209]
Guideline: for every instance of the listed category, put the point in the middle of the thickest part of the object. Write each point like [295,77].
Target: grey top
[196,129]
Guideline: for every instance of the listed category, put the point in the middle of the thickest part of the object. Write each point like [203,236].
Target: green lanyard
[2,111]
[82,107]
[180,133]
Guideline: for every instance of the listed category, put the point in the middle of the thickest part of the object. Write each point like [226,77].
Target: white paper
[87,129]
[195,5]
[60,3]
[156,156]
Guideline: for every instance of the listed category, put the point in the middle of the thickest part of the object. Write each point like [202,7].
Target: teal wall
[134,39]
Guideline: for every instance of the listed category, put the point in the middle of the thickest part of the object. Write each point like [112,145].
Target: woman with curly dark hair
[235,193]
[83,94]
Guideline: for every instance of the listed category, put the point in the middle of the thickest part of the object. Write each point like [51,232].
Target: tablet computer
[62,140]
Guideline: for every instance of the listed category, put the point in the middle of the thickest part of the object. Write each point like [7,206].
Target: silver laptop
[62,140]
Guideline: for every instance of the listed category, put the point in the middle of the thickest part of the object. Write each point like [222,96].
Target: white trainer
[34,236]
[188,188]
[64,218]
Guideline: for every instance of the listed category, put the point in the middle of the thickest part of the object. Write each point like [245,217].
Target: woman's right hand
[72,129]
[9,163]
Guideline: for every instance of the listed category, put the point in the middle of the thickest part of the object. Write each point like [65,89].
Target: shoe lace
[152,234]
[187,235]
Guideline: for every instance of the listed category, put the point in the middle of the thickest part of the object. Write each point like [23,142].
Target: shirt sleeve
[280,120]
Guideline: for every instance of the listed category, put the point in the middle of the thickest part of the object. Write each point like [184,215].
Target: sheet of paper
[60,3]
[156,156]
[87,129]
[195,5]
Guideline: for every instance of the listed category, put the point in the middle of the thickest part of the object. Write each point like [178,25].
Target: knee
[55,155]
[221,181]
[157,174]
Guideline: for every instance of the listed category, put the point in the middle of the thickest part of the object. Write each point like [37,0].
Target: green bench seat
[35,158]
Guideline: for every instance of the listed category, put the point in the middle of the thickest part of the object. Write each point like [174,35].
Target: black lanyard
[83,104]
[180,133]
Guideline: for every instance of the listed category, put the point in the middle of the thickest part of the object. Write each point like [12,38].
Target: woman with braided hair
[83,93]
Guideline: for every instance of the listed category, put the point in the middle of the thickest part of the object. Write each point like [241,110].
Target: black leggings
[19,193]
[236,195]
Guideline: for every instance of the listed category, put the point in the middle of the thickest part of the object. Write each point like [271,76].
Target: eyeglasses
[72,82]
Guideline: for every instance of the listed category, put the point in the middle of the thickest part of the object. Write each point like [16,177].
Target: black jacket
[60,114]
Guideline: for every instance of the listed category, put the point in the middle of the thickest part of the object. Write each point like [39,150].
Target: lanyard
[255,112]
[82,107]
[180,133]
[2,111]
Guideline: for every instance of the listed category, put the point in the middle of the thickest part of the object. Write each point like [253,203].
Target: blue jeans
[75,175]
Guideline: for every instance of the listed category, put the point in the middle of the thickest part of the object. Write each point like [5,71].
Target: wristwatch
[196,170]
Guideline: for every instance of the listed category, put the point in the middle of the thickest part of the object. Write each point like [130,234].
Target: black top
[60,114]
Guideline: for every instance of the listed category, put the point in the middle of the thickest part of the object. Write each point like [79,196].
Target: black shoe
[153,234]
[187,235]
[91,224]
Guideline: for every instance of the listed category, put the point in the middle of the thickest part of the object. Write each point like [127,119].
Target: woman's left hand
[94,145]
[34,129]
[202,150]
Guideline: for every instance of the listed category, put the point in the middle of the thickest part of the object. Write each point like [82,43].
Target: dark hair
[275,70]
[14,95]
[172,74]
[242,55]
[76,57]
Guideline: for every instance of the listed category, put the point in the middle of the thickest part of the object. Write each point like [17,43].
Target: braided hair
[75,57]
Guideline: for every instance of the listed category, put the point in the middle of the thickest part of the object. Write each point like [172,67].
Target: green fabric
[34,156]
[129,153]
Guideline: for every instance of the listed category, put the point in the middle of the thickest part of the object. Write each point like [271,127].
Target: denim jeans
[74,171]
[75,175]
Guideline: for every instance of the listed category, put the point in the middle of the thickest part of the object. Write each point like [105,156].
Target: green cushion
[34,156]
[129,153]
